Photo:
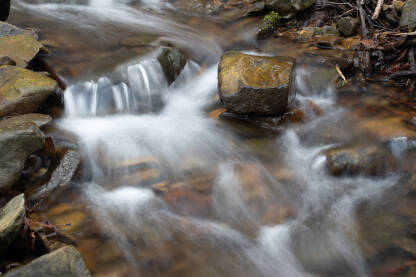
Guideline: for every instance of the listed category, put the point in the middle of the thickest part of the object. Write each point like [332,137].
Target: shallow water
[168,188]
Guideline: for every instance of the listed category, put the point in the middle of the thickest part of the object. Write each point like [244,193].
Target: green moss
[269,22]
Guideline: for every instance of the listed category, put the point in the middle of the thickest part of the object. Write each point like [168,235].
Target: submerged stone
[17,142]
[362,160]
[408,18]
[64,262]
[22,91]
[257,85]
[21,48]
[11,221]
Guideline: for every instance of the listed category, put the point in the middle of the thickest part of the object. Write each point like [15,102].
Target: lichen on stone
[269,22]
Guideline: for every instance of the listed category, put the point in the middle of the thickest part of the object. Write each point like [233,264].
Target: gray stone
[255,85]
[408,18]
[17,142]
[11,221]
[64,262]
[172,62]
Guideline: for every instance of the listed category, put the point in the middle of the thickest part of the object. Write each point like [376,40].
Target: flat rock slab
[21,48]
[7,29]
[62,175]
[22,91]
[17,142]
[256,85]
[11,221]
[40,120]
[289,7]
[64,262]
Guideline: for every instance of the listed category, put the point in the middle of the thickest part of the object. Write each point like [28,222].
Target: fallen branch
[378,9]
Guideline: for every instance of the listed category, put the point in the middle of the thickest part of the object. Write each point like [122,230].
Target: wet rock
[40,120]
[172,62]
[348,26]
[21,48]
[362,160]
[22,91]
[11,221]
[7,29]
[65,262]
[289,8]
[17,142]
[4,9]
[408,18]
[257,85]
[62,175]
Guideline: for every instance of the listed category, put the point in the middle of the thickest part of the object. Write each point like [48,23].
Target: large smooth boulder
[21,48]
[11,221]
[4,9]
[22,91]
[368,160]
[17,142]
[408,18]
[256,85]
[289,8]
[64,262]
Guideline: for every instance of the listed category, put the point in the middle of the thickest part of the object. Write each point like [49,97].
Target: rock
[17,142]
[22,91]
[11,221]
[172,62]
[257,85]
[64,262]
[408,18]
[7,61]
[40,120]
[359,160]
[7,29]
[62,175]
[289,8]
[21,48]
[4,9]
[398,5]
[348,26]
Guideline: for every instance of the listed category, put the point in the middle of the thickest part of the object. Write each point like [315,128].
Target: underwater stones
[348,26]
[359,160]
[289,8]
[22,91]
[408,18]
[11,221]
[256,85]
[172,62]
[64,262]
[17,142]
[21,48]
[4,9]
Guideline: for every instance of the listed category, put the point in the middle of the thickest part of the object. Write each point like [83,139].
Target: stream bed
[170,185]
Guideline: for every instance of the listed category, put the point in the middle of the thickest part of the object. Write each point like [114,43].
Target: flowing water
[169,189]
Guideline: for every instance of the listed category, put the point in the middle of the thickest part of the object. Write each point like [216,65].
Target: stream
[169,187]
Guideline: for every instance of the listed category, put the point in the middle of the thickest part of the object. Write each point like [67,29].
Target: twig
[378,9]
[364,35]
[342,75]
